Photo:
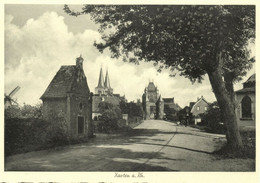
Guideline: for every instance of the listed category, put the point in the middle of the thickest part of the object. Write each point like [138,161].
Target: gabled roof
[61,83]
[251,79]
[200,100]
[250,82]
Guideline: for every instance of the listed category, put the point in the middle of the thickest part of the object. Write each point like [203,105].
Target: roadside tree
[194,40]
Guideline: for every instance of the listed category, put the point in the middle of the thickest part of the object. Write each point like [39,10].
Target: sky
[39,39]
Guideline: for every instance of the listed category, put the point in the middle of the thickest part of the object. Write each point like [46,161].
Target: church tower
[103,87]
[100,89]
[107,85]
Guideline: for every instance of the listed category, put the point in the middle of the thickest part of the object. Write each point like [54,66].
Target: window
[246,107]
[198,108]
[206,108]
[80,106]
[80,125]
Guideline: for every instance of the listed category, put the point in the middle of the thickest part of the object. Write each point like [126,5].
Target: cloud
[35,51]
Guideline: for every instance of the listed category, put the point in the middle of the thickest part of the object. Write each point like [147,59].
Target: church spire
[107,81]
[101,79]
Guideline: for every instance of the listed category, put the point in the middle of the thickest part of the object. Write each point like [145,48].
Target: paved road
[151,146]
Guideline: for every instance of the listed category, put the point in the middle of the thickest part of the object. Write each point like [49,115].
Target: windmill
[8,98]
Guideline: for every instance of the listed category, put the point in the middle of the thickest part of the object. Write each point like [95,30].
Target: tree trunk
[226,103]
[228,80]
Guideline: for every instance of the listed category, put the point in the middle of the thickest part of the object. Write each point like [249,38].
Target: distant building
[246,103]
[199,107]
[68,98]
[104,93]
[171,109]
[153,104]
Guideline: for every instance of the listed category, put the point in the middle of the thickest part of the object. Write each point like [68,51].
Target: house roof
[200,100]
[246,90]
[97,99]
[192,104]
[176,107]
[168,100]
[248,86]
[251,79]
[61,83]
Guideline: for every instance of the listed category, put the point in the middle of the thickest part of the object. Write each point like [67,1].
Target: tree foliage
[184,38]
[25,111]
[110,115]
[214,119]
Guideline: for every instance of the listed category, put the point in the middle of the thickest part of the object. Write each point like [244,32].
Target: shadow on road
[129,151]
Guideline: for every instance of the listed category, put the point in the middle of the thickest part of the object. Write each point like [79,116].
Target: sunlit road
[152,146]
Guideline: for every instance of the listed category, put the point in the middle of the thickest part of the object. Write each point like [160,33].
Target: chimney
[79,62]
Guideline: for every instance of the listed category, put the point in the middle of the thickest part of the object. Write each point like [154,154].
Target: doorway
[80,125]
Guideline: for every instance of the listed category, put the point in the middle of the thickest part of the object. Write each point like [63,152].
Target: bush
[57,132]
[26,131]
[214,120]
[111,114]
[13,112]
[110,119]
[23,135]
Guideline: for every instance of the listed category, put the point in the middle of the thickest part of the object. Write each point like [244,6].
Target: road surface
[154,145]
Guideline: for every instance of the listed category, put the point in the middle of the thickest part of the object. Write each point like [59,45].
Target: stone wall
[57,107]
[80,106]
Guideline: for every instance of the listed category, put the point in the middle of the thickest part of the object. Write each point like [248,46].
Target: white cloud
[35,51]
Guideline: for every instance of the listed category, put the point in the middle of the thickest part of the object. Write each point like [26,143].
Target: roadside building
[199,107]
[246,103]
[68,99]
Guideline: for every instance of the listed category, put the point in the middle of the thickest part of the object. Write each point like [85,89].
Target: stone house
[153,104]
[68,98]
[199,107]
[246,103]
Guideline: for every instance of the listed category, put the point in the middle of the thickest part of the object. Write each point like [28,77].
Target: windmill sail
[14,91]
[8,98]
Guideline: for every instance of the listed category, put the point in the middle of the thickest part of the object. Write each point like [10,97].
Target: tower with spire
[103,87]
[104,93]
[108,88]
[100,87]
